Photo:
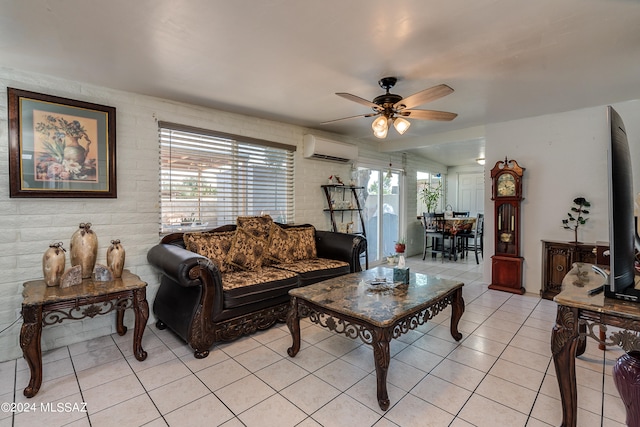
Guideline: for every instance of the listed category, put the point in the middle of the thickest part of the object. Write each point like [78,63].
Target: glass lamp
[401,125]
[379,123]
[380,127]
[380,133]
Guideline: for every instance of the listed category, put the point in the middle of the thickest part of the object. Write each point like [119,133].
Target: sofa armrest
[179,263]
[341,246]
[190,294]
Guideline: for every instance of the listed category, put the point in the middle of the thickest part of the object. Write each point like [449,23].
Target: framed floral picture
[60,147]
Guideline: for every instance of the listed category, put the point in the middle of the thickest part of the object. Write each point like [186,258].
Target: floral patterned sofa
[233,280]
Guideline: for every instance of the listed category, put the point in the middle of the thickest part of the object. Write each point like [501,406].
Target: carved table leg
[30,335]
[457,309]
[564,343]
[582,341]
[120,328]
[293,322]
[141,309]
[381,358]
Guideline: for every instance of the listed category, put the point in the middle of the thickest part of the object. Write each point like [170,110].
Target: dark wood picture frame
[60,147]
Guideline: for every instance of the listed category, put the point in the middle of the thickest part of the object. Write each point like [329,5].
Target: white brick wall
[28,226]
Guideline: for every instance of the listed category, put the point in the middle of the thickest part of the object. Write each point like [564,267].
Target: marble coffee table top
[371,295]
[36,292]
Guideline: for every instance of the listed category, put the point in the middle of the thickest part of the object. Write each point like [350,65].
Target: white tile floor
[499,374]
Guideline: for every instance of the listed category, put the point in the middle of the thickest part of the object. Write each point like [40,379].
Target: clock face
[506,185]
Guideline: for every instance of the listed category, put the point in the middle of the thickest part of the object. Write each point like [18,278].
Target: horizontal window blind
[208,180]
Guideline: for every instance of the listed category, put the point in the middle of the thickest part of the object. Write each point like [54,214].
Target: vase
[75,154]
[115,258]
[53,262]
[626,376]
[84,249]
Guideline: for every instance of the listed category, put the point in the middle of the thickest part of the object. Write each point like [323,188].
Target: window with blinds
[207,178]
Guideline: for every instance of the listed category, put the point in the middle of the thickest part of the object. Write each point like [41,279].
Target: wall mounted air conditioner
[325,149]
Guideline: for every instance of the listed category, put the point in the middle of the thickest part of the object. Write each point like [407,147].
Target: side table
[43,306]
[581,316]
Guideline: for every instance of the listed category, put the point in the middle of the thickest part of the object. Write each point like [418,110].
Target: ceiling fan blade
[350,117]
[428,115]
[422,97]
[358,100]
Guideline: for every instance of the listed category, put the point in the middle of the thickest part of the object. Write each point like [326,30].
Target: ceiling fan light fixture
[401,125]
[379,124]
[389,107]
[380,133]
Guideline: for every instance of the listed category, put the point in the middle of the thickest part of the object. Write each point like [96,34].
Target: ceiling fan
[391,108]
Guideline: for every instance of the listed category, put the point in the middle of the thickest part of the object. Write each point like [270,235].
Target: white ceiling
[285,59]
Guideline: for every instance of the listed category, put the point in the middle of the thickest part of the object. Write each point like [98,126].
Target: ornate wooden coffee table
[43,306]
[375,313]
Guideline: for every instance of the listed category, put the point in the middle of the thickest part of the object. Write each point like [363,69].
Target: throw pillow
[304,242]
[250,243]
[292,244]
[255,225]
[214,246]
[247,250]
[280,245]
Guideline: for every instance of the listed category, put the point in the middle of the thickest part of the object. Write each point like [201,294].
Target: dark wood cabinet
[557,259]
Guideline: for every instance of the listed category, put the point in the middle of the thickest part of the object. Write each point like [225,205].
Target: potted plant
[401,245]
[430,195]
[576,217]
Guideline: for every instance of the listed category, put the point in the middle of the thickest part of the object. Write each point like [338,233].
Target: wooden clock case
[506,192]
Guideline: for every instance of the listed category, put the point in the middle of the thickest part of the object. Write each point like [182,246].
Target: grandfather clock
[506,264]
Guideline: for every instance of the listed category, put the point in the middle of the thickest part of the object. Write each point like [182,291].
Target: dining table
[464,224]
[458,227]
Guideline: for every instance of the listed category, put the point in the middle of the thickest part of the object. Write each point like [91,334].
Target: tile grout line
[192,372]
[75,373]
[494,363]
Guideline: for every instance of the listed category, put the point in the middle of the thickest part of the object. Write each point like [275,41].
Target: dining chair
[461,240]
[433,234]
[445,242]
[477,237]
[430,232]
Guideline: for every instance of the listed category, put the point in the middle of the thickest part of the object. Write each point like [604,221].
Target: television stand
[581,316]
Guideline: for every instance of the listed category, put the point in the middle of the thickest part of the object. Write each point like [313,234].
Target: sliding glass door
[382,210]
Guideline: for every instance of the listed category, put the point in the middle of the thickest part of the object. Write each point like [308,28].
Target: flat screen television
[623,237]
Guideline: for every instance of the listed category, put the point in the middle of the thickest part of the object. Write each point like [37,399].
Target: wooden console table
[43,306]
[581,316]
